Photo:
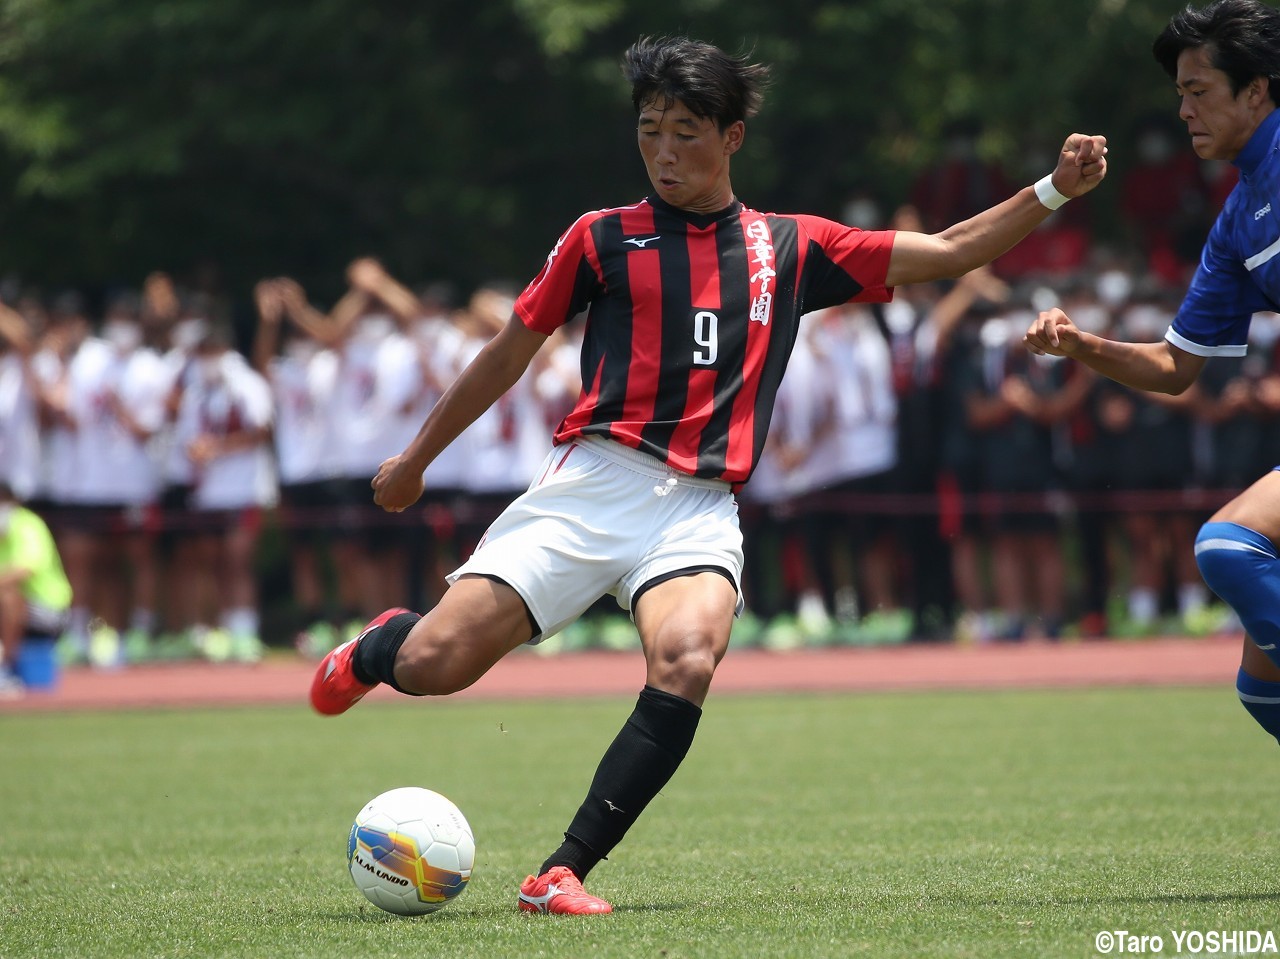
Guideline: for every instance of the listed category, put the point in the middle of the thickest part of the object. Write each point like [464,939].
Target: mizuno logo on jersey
[641,241]
[1263,212]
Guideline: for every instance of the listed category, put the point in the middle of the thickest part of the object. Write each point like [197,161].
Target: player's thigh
[1258,507]
[684,626]
[1257,664]
[477,622]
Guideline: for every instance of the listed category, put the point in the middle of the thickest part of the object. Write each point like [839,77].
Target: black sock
[638,763]
[580,858]
[375,657]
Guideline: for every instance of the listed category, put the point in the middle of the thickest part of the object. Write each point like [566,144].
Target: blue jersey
[1239,271]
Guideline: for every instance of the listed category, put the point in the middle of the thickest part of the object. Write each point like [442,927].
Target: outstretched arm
[13,329]
[266,338]
[1158,367]
[947,313]
[328,330]
[920,257]
[494,371]
[369,275]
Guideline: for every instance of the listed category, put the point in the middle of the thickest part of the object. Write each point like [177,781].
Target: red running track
[1155,662]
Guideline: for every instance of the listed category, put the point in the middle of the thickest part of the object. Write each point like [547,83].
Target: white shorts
[604,518]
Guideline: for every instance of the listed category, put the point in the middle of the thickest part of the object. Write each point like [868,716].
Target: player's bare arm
[921,258]
[494,371]
[1158,367]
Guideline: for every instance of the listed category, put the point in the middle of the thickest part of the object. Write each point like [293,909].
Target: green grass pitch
[913,825]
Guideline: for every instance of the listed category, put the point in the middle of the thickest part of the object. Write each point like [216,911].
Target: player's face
[687,156]
[1219,122]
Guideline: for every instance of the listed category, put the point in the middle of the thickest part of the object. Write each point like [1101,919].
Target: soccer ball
[410,851]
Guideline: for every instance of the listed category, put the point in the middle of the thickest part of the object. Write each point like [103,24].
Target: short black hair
[1244,35]
[711,83]
[68,304]
[126,302]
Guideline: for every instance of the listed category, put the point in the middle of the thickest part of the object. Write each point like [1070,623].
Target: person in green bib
[34,591]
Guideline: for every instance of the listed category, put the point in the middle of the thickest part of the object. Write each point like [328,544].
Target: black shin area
[580,858]
[375,657]
[638,763]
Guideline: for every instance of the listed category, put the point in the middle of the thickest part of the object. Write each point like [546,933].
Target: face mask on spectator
[122,335]
[995,332]
[1089,318]
[374,329]
[1264,331]
[863,213]
[1114,287]
[209,370]
[187,333]
[1154,148]
[300,351]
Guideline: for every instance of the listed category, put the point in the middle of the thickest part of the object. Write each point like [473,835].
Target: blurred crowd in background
[205,469]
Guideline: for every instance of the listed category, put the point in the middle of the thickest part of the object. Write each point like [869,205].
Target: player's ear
[1259,89]
[733,137]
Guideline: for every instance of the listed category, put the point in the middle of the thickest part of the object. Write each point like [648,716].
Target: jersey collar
[1259,145]
[699,220]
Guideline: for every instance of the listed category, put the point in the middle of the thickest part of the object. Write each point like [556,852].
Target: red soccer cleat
[559,891]
[334,688]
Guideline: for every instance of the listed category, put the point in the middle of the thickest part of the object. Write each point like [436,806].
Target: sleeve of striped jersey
[1221,299]
[845,264]
[566,284]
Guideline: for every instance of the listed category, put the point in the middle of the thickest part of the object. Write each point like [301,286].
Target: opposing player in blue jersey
[1225,60]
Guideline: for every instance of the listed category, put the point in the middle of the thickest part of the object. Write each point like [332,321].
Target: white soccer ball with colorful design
[411,851]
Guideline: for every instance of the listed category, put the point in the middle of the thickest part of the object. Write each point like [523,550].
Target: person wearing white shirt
[50,365]
[377,381]
[421,545]
[302,374]
[851,545]
[780,578]
[116,392]
[19,411]
[223,427]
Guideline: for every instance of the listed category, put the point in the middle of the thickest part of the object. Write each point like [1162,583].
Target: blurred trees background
[456,138]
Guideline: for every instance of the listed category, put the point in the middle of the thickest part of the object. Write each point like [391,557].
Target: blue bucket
[37,664]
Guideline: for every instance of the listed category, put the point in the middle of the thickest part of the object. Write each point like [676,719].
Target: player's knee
[1229,555]
[684,662]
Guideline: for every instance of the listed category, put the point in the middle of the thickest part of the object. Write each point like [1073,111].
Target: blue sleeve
[1214,317]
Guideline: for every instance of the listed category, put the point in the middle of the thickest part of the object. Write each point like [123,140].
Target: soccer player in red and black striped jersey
[693,302]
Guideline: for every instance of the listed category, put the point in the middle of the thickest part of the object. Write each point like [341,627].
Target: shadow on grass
[1176,897]
[1166,898]
[362,915]
[652,907]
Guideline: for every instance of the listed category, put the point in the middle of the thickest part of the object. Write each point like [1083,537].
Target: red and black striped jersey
[691,320]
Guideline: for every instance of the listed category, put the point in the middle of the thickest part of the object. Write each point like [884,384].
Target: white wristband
[1048,194]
